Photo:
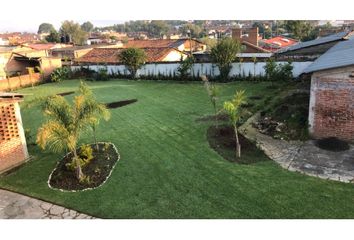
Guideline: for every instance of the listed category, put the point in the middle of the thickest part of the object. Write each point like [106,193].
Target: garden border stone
[86,189]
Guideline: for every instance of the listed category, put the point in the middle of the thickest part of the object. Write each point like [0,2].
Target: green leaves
[224,53]
[133,59]
[234,107]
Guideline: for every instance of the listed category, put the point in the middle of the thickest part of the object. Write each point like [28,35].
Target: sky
[24,15]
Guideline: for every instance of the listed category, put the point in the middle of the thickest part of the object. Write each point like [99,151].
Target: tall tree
[192,29]
[53,37]
[87,26]
[157,28]
[133,59]
[72,31]
[45,28]
[223,54]
[299,29]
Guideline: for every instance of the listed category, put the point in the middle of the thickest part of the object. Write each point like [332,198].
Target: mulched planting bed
[332,144]
[98,170]
[65,93]
[120,103]
[222,140]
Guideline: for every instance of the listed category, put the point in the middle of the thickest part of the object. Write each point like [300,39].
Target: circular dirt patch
[332,144]
[120,103]
[65,93]
[98,170]
[222,140]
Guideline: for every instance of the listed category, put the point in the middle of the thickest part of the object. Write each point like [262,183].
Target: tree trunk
[238,146]
[215,115]
[94,136]
[78,170]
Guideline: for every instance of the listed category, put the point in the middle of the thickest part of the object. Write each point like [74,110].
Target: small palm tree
[213,92]
[100,110]
[234,110]
[66,123]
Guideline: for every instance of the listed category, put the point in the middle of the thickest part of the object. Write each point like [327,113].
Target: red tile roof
[159,43]
[111,55]
[278,42]
[41,46]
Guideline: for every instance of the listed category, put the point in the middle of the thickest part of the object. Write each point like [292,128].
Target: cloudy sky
[25,15]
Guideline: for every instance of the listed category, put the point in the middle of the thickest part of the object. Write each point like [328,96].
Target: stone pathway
[304,157]
[17,206]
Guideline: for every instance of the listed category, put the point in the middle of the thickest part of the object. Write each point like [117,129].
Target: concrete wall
[19,81]
[208,69]
[331,112]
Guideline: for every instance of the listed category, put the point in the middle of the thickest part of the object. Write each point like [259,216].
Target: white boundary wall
[209,69]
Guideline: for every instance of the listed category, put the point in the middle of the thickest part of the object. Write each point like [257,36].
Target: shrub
[85,156]
[60,74]
[278,72]
[185,67]
[101,74]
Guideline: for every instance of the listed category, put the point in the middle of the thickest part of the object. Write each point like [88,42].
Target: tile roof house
[311,50]
[276,43]
[180,44]
[111,55]
[249,39]
[331,111]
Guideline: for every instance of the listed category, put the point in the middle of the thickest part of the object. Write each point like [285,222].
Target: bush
[185,67]
[102,74]
[60,74]
[85,157]
[278,72]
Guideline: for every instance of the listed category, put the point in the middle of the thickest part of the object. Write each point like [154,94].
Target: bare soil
[222,140]
[98,170]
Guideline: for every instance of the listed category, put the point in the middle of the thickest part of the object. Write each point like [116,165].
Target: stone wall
[332,104]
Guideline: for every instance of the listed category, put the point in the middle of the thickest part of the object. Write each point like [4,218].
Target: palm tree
[234,110]
[65,125]
[100,110]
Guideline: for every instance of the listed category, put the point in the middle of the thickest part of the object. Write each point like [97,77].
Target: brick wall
[19,81]
[13,150]
[332,104]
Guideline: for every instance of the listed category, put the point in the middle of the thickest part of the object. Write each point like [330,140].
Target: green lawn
[168,170]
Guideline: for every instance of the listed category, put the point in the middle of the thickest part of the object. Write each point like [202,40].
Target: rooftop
[332,38]
[340,55]
[111,55]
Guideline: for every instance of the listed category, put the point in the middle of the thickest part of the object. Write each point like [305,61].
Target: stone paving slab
[304,157]
[17,206]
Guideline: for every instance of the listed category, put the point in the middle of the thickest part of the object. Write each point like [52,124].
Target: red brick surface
[334,109]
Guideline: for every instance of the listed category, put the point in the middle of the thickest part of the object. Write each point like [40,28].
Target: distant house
[276,43]
[111,55]
[311,50]
[249,39]
[16,61]
[185,45]
[331,111]
[68,54]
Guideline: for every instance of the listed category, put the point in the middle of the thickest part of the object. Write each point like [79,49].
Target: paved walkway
[17,206]
[303,157]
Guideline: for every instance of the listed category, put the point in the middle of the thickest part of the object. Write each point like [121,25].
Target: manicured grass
[168,170]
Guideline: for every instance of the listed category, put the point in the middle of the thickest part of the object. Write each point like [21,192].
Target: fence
[19,81]
[198,69]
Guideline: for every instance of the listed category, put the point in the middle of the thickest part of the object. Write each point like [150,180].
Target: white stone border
[62,190]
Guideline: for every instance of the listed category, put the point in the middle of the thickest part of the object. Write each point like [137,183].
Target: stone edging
[289,154]
[86,189]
